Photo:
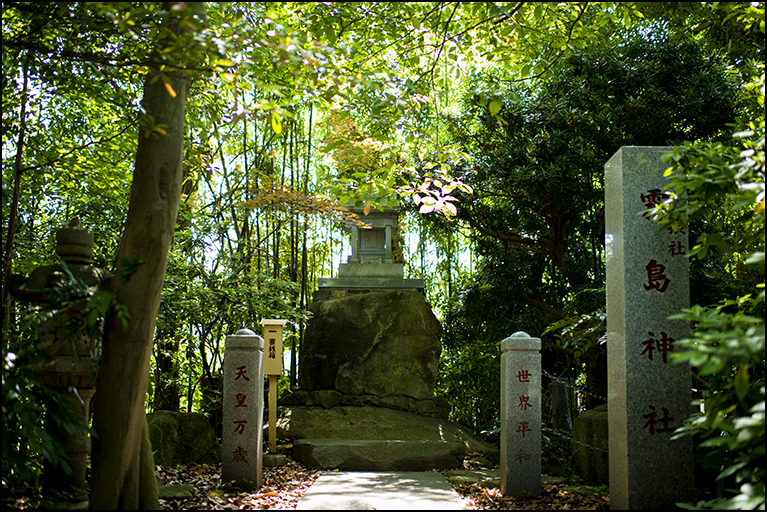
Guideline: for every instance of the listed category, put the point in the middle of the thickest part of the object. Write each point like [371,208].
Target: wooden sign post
[273,368]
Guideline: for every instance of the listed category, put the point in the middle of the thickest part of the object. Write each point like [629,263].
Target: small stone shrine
[369,355]
[648,279]
[371,265]
[372,331]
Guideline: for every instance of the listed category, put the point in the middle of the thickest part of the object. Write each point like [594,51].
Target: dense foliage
[724,186]
[537,212]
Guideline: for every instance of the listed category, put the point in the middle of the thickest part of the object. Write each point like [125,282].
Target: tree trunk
[166,395]
[122,462]
[13,216]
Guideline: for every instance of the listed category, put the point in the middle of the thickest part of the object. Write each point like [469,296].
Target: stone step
[378,455]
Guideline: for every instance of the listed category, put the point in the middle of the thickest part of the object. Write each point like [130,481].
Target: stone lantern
[71,368]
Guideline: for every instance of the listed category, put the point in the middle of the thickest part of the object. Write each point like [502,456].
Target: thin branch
[437,6]
[444,38]
[525,242]
[546,308]
[78,148]
[566,350]
[501,19]
[117,62]
[14,210]
[559,55]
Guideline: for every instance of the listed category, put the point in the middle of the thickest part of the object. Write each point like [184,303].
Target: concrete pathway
[351,490]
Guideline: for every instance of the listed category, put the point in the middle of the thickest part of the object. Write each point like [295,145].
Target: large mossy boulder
[590,449]
[182,438]
[382,343]
[372,423]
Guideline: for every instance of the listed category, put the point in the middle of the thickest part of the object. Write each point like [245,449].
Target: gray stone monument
[242,434]
[521,416]
[647,280]
[562,403]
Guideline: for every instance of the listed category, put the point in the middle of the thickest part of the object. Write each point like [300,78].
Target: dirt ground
[283,486]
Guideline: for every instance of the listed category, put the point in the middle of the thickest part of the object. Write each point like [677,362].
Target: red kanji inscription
[653,197]
[241,371]
[664,345]
[657,280]
[651,421]
[522,456]
[677,249]
[240,428]
[240,455]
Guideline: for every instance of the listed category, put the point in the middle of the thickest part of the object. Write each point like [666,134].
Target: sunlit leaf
[170,90]
[276,123]
[426,208]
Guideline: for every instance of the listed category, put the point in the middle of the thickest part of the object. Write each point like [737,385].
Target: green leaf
[276,122]
[741,382]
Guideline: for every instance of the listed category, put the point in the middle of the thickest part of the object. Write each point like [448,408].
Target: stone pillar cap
[245,339]
[521,341]
[74,243]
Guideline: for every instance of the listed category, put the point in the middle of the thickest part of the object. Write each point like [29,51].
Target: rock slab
[371,423]
[182,438]
[378,455]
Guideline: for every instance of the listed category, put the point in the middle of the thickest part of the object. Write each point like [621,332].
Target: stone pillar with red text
[648,279]
[521,416]
[242,432]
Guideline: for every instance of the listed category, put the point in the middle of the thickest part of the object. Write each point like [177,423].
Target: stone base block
[591,428]
[273,460]
[378,455]
[371,269]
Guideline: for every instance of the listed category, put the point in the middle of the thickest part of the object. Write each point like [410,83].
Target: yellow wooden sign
[273,346]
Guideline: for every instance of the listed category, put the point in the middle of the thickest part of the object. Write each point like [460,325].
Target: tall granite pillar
[242,433]
[647,280]
[521,416]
